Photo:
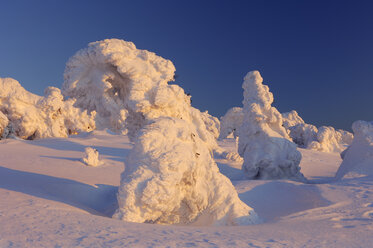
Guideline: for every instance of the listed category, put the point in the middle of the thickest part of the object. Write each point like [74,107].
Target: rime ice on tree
[264,143]
[170,175]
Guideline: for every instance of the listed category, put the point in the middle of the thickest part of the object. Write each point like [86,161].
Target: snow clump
[170,175]
[32,116]
[264,143]
[91,157]
[358,158]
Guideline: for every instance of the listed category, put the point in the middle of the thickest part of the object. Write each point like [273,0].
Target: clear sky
[316,56]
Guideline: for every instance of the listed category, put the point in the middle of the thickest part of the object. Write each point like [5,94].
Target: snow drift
[31,116]
[264,143]
[170,176]
[358,158]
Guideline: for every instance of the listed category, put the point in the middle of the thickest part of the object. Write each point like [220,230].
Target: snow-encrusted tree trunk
[264,143]
[170,175]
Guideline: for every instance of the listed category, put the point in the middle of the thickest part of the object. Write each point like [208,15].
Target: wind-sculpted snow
[230,122]
[324,139]
[170,175]
[358,158]
[263,142]
[171,178]
[32,116]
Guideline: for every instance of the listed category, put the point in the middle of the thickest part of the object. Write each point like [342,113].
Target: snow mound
[91,157]
[170,175]
[32,116]
[264,143]
[230,122]
[358,158]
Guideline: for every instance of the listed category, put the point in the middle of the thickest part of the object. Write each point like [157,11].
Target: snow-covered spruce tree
[264,143]
[358,158]
[230,122]
[170,176]
[32,116]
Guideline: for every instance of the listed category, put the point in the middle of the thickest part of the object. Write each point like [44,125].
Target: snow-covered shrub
[172,144]
[230,122]
[33,116]
[91,157]
[358,158]
[264,143]
[290,119]
[324,139]
[330,140]
[303,134]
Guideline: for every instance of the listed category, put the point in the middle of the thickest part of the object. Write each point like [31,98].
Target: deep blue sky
[316,56]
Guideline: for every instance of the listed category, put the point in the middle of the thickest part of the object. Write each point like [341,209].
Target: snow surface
[264,143]
[49,198]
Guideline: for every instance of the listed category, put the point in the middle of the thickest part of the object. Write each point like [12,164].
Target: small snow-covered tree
[230,122]
[358,158]
[264,143]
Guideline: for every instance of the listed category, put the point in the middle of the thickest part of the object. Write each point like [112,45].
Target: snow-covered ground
[50,198]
